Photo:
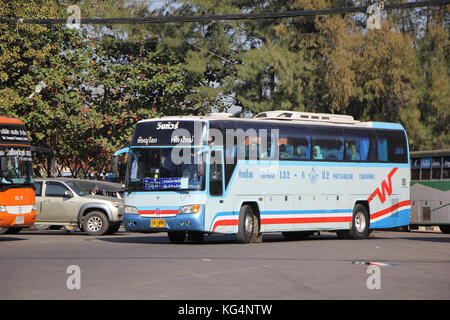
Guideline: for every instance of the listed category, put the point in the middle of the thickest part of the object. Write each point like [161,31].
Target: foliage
[101,79]
[97,88]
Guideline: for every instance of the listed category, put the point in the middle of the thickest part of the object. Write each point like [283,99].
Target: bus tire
[248,228]
[176,236]
[360,222]
[445,229]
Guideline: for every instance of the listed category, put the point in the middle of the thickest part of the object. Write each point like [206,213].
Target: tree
[97,87]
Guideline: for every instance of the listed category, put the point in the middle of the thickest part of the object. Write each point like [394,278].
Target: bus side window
[294,143]
[285,152]
[382,149]
[392,146]
[436,168]
[215,173]
[415,168]
[360,145]
[327,144]
[446,168]
[425,166]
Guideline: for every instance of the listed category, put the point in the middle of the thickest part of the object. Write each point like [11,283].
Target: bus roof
[282,116]
[430,153]
[8,120]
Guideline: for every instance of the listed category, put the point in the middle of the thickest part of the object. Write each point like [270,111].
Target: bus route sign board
[13,134]
[168,133]
[165,183]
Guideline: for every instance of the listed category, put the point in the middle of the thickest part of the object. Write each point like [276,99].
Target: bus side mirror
[202,169]
[202,164]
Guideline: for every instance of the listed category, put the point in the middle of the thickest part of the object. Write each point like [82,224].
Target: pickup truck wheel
[95,223]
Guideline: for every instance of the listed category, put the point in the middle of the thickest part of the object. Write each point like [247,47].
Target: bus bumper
[179,222]
[8,220]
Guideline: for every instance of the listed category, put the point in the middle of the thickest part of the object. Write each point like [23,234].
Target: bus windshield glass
[16,166]
[164,169]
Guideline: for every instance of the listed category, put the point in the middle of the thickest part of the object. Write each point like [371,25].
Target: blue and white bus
[281,171]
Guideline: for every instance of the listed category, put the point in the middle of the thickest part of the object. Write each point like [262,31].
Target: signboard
[425,163]
[415,163]
[436,162]
[169,133]
[446,162]
[13,135]
[14,142]
[165,183]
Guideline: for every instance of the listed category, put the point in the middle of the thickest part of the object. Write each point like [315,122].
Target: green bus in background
[430,189]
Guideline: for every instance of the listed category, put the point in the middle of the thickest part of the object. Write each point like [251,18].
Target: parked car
[71,202]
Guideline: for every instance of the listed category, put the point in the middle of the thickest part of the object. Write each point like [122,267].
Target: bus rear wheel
[445,229]
[248,225]
[360,222]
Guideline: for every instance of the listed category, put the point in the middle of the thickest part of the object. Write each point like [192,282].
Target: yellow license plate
[157,223]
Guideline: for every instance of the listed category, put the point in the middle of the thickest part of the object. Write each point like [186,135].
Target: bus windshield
[164,169]
[16,167]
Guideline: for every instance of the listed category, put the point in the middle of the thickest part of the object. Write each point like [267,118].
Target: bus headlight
[131,210]
[3,209]
[190,209]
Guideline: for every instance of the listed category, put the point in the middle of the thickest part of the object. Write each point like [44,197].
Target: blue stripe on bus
[387,125]
[400,218]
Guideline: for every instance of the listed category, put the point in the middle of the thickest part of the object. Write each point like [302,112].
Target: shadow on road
[11,238]
[430,239]
[163,239]
[208,239]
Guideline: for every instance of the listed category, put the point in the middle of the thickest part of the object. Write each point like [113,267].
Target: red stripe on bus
[305,220]
[227,222]
[390,209]
[161,212]
[285,221]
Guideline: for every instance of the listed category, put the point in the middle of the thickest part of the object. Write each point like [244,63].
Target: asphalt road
[406,265]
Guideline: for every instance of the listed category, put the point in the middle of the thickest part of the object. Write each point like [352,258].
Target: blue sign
[165,183]
[426,163]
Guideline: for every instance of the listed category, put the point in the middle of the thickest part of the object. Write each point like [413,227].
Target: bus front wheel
[360,222]
[248,225]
